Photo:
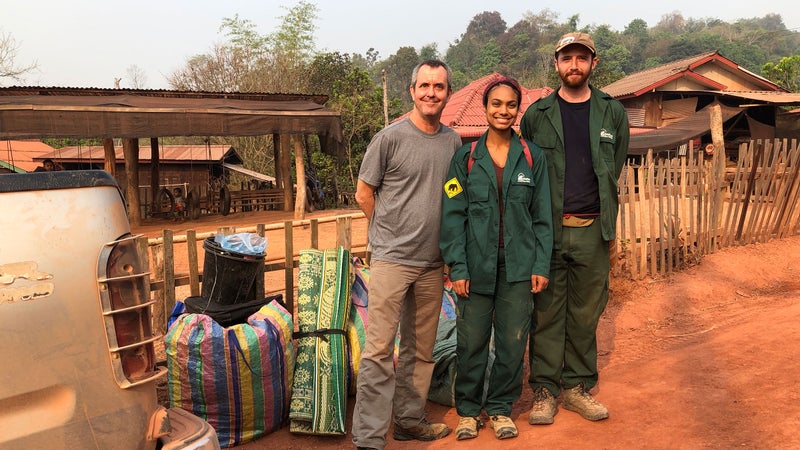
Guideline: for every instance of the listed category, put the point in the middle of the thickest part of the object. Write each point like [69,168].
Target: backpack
[525,150]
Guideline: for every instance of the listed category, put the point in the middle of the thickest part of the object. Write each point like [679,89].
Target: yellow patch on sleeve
[452,187]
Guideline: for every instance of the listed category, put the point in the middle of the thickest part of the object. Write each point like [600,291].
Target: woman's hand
[538,283]
[461,287]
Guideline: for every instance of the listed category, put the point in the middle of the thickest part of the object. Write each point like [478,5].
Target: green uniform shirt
[470,228]
[609,134]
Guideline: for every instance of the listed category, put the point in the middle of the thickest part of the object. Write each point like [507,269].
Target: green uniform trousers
[563,343]
[509,310]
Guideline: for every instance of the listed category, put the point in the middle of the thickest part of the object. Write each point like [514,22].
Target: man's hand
[538,283]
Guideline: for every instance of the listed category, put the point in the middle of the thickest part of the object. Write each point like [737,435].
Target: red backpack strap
[471,159]
[527,152]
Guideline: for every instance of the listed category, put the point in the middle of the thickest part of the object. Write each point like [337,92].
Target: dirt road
[703,359]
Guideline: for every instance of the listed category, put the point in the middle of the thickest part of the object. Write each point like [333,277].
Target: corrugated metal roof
[251,173]
[772,97]
[163,93]
[18,156]
[168,154]
[677,133]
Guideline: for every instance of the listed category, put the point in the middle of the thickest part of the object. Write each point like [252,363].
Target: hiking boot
[504,427]
[425,431]
[544,408]
[581,401]
[468,428]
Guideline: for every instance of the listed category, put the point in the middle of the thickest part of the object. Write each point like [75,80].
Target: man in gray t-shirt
[399,190]
[408,168]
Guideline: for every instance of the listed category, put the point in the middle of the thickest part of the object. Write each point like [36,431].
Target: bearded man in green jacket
[584,134]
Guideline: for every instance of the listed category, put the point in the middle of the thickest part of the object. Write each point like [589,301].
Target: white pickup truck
[77,347]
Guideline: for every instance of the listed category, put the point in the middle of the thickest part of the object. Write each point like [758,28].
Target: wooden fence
[674,211]
[168,278]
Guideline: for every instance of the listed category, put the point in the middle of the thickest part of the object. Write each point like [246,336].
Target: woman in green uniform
[496,238]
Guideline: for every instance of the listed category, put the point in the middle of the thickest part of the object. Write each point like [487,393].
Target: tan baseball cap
[576,38]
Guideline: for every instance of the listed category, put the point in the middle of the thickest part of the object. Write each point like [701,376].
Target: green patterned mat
[319,391]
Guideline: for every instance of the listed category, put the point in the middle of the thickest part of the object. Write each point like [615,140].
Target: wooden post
[159,316]
[110,164]
[276,153]
[285,167]
[300,168]
[343,227]
[130,148]
[718,183]
[194,269]
[289,267]
[169,275]
[315,234]
[259,286]
[154,178]
[385,99]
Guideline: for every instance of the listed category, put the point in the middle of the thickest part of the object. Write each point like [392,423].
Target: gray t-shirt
[408,167]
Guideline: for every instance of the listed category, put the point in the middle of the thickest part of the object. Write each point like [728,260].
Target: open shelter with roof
[129,114]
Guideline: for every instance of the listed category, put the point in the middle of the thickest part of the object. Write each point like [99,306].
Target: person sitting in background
[180,203]
[47,166]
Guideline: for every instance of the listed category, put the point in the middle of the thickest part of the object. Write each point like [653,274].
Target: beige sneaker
[425,431]
[581,401]
[544,407]
[504,427]
[468,428]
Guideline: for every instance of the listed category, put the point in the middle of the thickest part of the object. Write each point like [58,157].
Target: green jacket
[470,232]
[609,133]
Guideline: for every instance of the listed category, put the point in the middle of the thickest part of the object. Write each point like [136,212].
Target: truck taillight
[125,296]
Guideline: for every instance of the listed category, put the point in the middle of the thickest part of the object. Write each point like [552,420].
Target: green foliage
[786,73]
[295,36]
[398,68]
[71,142]
[286,60]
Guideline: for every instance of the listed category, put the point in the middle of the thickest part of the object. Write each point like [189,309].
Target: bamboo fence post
[289,266]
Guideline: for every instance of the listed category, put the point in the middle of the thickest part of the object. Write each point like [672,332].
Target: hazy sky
[87,43]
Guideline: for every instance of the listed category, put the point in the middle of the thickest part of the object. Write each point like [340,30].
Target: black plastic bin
[228,276]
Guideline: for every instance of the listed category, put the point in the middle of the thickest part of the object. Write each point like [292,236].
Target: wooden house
[668,105]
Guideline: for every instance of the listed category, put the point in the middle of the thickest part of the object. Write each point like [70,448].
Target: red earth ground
[704,358]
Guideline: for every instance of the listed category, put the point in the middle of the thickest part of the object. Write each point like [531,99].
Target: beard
[570,80]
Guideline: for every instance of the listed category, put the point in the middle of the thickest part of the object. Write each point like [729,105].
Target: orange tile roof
[17,156]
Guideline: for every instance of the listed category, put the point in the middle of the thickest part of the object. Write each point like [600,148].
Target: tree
[8,56]
[429,51]
[786,73]
[137,77]
[488,24]
[398,74]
